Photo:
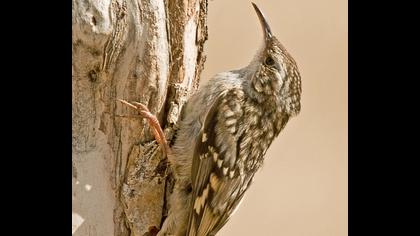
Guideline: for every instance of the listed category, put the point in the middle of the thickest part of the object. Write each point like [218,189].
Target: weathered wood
[137,50]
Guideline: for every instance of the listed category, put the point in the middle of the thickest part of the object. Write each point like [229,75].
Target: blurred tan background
[302,188]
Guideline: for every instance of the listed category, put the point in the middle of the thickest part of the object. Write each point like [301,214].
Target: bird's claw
[153,122]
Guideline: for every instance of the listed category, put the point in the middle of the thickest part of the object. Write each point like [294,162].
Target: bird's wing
[218,181]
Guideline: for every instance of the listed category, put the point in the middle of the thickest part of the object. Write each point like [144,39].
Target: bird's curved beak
[264,23]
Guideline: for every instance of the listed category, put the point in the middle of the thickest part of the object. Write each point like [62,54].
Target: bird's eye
[269,61]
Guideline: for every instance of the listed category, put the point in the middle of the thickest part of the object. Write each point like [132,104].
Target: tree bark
[149,51]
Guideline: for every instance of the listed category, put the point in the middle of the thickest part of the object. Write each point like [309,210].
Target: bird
[224,132]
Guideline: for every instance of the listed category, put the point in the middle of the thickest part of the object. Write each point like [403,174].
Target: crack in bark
[113,45]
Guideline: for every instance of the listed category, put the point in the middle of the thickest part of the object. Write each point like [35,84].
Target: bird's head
[274,73]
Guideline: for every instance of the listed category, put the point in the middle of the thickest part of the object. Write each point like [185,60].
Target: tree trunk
[149,51]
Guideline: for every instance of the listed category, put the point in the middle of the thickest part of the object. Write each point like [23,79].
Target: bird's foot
[153,122]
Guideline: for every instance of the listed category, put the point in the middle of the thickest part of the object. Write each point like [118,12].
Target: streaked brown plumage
[225,130]
[224,133]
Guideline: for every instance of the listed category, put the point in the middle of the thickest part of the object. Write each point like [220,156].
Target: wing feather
[217,186]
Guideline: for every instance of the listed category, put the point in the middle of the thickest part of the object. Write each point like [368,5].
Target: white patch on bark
[162,48]
[76,222]
[190,49]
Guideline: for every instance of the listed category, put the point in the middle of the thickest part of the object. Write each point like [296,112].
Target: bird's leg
[154,124]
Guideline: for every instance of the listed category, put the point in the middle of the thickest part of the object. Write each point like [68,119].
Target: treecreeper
[223,134]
